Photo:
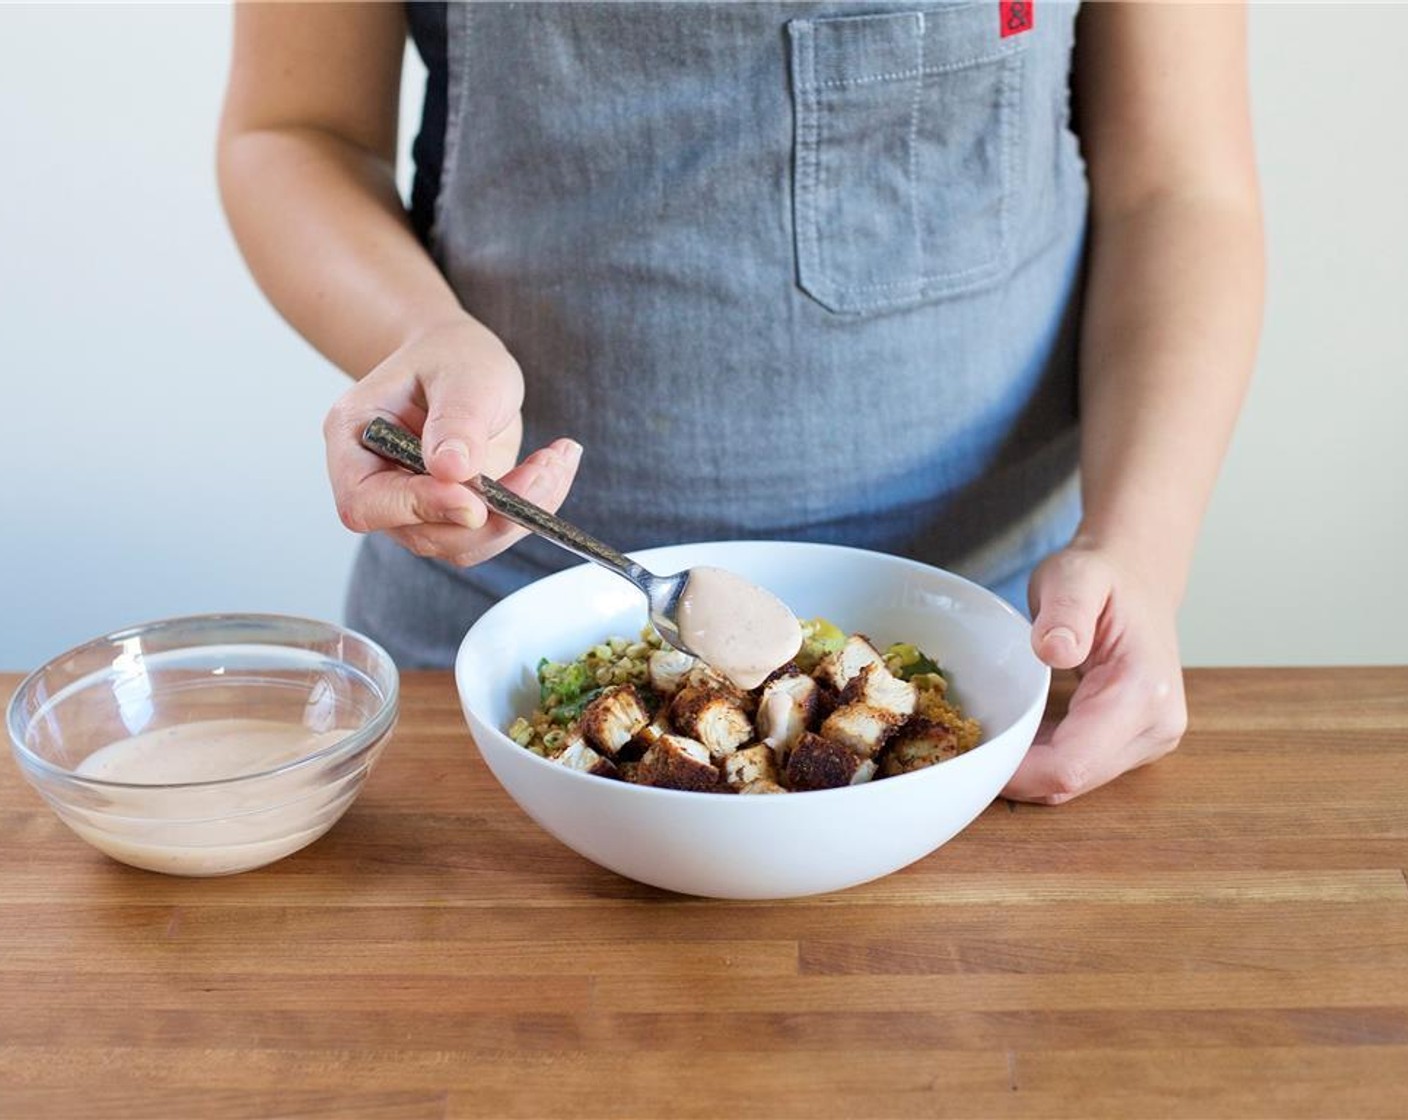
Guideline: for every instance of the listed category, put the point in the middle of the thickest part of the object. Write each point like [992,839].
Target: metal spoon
[662,592]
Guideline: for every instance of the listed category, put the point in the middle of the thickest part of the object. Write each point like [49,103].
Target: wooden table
[1223,934]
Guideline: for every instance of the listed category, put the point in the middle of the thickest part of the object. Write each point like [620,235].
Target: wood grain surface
[1222,934]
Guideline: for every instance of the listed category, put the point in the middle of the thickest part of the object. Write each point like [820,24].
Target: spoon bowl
[663,593]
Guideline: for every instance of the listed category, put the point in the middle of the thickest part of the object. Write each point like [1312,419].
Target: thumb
[462,415]
[1068,595]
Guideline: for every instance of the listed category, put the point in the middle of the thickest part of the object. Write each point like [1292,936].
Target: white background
[162,452]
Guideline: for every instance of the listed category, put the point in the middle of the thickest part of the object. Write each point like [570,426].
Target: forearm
[1173,311]
[325,234]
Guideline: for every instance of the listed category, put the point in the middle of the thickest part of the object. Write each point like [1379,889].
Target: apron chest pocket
[906,129]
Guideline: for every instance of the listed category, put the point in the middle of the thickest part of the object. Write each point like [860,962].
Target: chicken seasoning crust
[841,713]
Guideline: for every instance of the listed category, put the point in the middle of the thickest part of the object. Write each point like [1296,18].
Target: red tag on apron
[1016,16]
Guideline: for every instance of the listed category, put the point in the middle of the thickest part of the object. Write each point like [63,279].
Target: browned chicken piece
[668,668]
[861,728]
[877,686]
[762,785]
[753,764]
[787,707]
[701,675]
[918,744]
[836,669]
[675,762]
[579,756]
[818,763]
[641,742]
[613,718]
[714,717]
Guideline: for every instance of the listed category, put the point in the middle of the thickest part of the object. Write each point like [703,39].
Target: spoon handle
[396,444]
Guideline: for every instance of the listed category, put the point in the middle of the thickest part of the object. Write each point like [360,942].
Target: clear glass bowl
[185,673]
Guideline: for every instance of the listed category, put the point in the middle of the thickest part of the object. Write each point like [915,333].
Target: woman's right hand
[457,386]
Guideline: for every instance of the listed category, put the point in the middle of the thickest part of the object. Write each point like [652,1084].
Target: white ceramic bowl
[783,845]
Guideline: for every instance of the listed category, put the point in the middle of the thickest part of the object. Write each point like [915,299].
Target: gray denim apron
[798,271]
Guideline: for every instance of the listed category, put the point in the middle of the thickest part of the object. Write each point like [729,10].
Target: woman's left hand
[1094,614]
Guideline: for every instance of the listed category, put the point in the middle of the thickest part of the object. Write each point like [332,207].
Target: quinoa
[932,705]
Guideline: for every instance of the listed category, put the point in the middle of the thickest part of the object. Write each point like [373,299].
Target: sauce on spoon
[738,628]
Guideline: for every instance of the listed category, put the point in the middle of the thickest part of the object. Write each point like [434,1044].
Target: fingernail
[1061,634]
[572,453]
[470,517]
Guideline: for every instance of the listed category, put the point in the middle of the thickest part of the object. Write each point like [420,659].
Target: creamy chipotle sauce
[738,628]
[205,751]
[231,827]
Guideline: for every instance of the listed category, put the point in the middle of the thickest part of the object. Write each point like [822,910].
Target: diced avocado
[908,661]
[819,637]
[572,709]
[827,636]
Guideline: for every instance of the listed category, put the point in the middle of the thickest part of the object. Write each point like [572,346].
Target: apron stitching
[814,157]
[918,71]
[457,93]
[914,148]
[1013,80]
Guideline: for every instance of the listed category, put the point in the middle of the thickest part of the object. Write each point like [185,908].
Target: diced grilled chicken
[610,721]
[861,728]
[762,785]
[714,717]
[702,676]
[918,744]
[818,763]
[676,762]
[753,764]
[788,706]
[836,669]
[877,686]
[641,742]
[579,756]
[667,668]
